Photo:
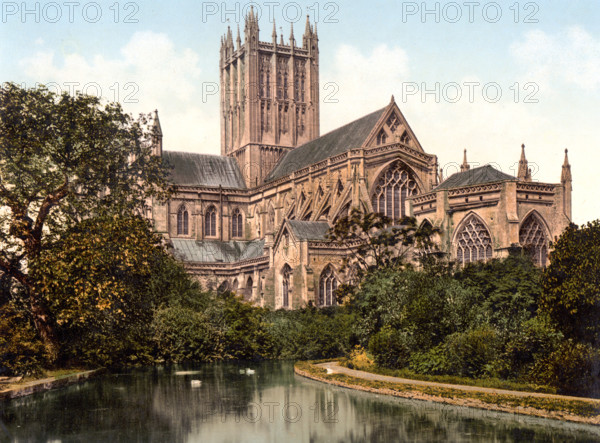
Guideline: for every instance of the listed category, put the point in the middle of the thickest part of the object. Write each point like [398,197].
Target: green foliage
[508,290]
[183,334]
[391,348]
[98,281]
[471,353]
[311,333]
[571,284]
[573,368]
[63,159]
[21,351]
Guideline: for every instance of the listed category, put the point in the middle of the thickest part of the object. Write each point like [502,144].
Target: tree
[64,158]
[571,283]
[98,282]
[374,241]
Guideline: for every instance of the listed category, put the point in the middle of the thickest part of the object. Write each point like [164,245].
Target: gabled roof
[214,251]
[308,230]
[340,140]
[475,176]
[191,169]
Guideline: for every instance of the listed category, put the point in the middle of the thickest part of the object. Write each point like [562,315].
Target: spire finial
[274,34]
[392,99]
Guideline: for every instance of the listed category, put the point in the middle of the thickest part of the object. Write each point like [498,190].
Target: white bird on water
[196,383]
[250,371]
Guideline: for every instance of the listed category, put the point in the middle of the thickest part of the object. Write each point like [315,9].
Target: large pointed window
[327,285]
[236,223]
[392,190]
[473,241]
[286,287]
[533,239]
[210,222]
[182,221]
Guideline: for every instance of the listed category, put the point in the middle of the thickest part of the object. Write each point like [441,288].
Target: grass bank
[576,410]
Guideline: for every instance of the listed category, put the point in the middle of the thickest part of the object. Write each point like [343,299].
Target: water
[272,405]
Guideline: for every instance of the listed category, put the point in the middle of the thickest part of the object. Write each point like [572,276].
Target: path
[335,367]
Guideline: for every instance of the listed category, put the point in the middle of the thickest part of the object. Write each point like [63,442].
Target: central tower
[269,97]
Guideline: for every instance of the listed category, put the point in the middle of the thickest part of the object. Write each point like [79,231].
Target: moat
[267,403]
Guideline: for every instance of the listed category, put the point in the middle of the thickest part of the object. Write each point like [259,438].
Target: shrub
[573,368]
[391,348]
[21,351]
[432,362]
[182,334]
[472,353]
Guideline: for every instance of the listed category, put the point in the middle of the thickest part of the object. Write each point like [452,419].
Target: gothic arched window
[210,222]
[248,289]
[381,137]
[236,223]
[286,280]
[271,219]
[392,190]
[182,221]
[473,241]
[533,239]
[327,285]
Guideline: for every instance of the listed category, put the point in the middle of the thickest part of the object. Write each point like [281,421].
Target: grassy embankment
[584,410]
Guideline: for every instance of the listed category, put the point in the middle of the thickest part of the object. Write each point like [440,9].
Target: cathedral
[254,219]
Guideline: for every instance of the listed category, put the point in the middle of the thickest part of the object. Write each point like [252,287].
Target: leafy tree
[64,158]
[508,290]
[97,281]
[374,241]
[571,283]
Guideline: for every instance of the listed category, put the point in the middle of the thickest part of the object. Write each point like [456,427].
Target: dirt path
[335,367]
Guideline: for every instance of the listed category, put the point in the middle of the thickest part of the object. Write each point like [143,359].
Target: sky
[476,75]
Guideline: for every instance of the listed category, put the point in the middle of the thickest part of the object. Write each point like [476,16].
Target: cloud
[358,83]
[148,73]
[572,56]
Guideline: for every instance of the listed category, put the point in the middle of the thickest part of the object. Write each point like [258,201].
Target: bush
[573,368]
[391,348]
[182,334]
[472,353]
[431,362]
[21,351]
[536,339]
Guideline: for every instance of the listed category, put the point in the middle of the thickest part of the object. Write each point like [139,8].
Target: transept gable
[392,127]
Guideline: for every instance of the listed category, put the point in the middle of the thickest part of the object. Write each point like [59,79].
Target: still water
[226,403]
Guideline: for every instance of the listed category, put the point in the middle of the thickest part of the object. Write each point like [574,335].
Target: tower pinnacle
[524,173]
[465,166]
[566,169]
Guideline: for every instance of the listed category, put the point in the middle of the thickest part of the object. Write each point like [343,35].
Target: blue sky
[544,60]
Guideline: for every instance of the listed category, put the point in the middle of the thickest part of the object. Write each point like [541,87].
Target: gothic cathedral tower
[269,97]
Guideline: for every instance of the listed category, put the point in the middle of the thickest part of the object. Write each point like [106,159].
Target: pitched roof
[213,251]
[349,136]
[191,169]
[309,230]
[475,176]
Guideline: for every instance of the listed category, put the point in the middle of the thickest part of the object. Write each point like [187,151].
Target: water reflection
[159,404]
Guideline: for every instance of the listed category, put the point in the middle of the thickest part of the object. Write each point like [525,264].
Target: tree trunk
[41,319]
